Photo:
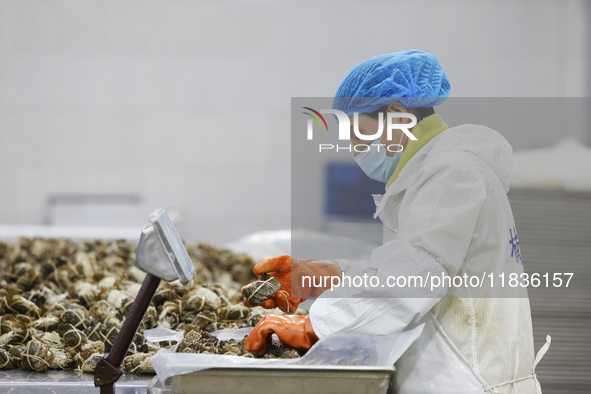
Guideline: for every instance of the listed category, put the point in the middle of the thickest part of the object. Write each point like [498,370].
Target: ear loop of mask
[399,142]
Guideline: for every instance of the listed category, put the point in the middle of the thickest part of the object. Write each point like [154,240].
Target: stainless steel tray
[284,379]
[66,382]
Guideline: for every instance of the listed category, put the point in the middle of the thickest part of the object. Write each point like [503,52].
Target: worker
[445,212]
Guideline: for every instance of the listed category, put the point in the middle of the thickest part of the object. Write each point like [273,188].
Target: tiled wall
[186,103]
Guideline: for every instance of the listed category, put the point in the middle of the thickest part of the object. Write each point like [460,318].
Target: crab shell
[202,298]
[64,358]
[139,362]
[204,318]
[117,298]
[77,317]
[86,264]
[163,294]
[102,310]
[47,323]
[26,276]
[37,356]
[20,304]
[6,359]
[19,334]
[88,365]
[7,323]
[85,292]
[74,338]
[233,312]
[261,290]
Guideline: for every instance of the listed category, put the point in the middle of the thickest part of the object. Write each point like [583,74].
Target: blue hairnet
[414,78]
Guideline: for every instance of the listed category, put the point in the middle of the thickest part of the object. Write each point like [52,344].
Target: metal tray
[284,379]
[65,382]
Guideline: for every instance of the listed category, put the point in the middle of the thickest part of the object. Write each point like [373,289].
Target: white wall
[187,103]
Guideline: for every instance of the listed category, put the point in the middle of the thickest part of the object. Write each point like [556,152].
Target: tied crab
[47,323]
[139,362]
[6,359]
[170,313]
[163,293]
[233,312]
[262,289]
[64,358]
[72,337]
[85,292]
[102,311]
[15,303]
[202,298]
[13,331]
[75,315]
[37,356]
[88,364]
[25,276]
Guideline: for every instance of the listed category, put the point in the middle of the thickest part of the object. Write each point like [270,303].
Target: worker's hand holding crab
[292,330]
[298,280]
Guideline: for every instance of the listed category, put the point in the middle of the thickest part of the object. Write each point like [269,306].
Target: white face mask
[376,163]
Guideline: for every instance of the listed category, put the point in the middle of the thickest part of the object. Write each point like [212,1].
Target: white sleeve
[436,222]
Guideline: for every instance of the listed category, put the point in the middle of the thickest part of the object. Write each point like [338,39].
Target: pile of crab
[62,304]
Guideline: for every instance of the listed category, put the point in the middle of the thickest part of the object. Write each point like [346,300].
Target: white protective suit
[447,212]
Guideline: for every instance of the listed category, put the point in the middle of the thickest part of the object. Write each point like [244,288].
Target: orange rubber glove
[288,271]
[294,331]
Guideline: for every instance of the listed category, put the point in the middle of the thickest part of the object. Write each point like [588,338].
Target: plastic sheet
[307,244]
[332,351]
[164,334]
